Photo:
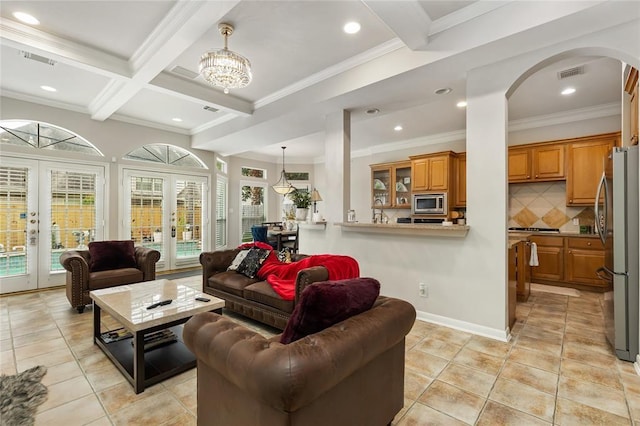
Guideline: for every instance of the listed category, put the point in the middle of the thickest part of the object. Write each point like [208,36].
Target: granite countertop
[550,234]
[416,229]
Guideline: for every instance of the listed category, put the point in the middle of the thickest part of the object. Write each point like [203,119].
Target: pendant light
[283,187]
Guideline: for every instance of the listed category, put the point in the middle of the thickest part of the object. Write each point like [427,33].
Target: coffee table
[128,304]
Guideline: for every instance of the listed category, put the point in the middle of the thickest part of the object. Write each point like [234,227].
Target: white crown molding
[354,61]
[43,101]
[480,330]
[589,113]
[465,14]
[145,123]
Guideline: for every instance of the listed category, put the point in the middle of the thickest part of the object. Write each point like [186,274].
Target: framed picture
[407,180]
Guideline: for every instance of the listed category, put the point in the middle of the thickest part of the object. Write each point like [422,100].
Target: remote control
[202,299]
[155,305]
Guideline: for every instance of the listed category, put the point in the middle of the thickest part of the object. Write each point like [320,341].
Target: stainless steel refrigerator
[617,226]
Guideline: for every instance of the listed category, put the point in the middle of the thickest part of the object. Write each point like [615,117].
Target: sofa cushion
[235,263]
[114,277]
[107,255]
[231,282]
[262,292]
[326,303]
[253,261]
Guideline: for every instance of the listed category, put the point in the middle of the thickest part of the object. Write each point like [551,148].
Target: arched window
[44,136]
[166,154]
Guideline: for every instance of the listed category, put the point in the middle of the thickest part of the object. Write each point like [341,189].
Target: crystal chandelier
[283,186]
[225,68]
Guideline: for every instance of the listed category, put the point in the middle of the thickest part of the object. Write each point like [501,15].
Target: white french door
[46,208]
[167,212]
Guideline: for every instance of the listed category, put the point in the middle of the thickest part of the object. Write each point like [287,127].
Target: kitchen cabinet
[569,261]
[631,87]
[391,184]
[432,172]
[586,161]
[519,270]
[460,192]
[540,163]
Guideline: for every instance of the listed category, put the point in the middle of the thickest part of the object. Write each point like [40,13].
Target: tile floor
[557,369]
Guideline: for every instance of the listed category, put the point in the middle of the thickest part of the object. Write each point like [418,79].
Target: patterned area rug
[20,396]
[556,290]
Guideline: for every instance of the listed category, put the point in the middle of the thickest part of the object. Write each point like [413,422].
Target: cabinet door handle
[536,176]
[569,251]
[588,244]
[571,201]
[528,177]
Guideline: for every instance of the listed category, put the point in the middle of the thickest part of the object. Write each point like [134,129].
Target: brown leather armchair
[80,280]
[349,374]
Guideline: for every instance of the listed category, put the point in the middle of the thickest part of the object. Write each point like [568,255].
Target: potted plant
[302,200]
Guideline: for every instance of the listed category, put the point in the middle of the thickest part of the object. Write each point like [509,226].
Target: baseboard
[480,330]
[636,364]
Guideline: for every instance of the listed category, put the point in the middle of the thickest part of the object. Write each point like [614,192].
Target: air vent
[184,72]
[571,72]
[38,58]
[210,108]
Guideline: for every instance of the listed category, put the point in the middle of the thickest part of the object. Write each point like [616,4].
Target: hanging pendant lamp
[283,187]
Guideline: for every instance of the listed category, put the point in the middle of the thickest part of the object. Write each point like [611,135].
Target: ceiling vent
[570,72]
[210,108]
[38,58]
[184,72]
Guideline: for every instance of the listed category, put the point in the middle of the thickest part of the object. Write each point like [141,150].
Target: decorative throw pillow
[237,260]
[252,262]
[284,255]
[107,255]
[326,303]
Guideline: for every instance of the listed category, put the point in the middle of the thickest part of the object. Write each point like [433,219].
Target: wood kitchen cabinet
[550,258]
[583,258]
[460,192]
[540,163]
[432,172]
[586,161]
[391,184]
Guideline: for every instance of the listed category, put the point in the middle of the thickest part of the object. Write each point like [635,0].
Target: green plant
[301,198]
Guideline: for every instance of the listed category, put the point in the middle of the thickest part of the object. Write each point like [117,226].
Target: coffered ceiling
[137,61]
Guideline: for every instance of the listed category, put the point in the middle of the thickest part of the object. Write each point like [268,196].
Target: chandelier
[283,187]
[225,68]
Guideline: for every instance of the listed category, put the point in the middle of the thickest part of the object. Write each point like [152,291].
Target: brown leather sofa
[80,279]
[349,374]
[253,297]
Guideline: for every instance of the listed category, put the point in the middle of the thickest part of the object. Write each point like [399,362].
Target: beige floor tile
[497,414]
[185,419]
[411,340]
[573,413]
[150,411]
[104,377]
[440,348]
[53,358]
[422,328]
[420,415]
[62,392]
[415,383]
[480,361]
[408,403]
[593,395]
[61,372]
[585,320]
[523,398]
[450,335]
[541,322]
[543,361]
[584,344]
[95,361]
[102,421]
[453,401]
[425,363]
[541,380]
[468,379]
[121,395]
[595,359]
[539,345]
[80,411]
[489,346]
[186,393]
[31,328]
[37,337]
[182,377]
[550,336]
[587,373]
[40,348]
[626,367]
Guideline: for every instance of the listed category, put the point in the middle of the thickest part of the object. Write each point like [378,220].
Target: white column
[337,161]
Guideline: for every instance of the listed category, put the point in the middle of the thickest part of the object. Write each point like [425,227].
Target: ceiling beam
[407,19]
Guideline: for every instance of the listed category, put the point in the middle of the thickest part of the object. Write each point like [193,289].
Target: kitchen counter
[550,234]
[417,229]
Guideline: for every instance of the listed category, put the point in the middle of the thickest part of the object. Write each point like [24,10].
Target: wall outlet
[576,221]
[423,290]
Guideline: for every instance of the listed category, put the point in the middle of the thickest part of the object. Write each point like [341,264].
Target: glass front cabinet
[391,185]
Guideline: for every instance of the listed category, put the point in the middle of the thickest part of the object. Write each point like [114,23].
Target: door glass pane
[13,220]
[252,209]
[147,212]
[221,212]
[189,218]
[73,213]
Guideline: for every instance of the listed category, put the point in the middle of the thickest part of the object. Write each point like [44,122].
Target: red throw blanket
[282,276]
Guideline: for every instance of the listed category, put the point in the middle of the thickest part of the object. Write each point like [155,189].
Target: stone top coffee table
[166,355]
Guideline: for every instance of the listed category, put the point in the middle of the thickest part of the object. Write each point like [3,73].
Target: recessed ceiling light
[351,27]
[397,128]
[26,18]
[372,111]
[177,120]
[49,88]
[461,104]
[443,91]
[568,91]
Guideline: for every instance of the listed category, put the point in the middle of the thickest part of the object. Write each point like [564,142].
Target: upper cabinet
[587,160]
[391,185]
[460,192]
[432,172]
[537,164]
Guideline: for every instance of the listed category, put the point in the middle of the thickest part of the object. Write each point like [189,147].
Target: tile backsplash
[543,205]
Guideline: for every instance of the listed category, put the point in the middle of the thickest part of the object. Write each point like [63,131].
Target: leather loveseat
[351,373]
[253,297]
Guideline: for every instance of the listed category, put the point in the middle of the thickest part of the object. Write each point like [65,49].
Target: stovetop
[548,230]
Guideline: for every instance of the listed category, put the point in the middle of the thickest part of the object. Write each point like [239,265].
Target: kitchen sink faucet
[373,209]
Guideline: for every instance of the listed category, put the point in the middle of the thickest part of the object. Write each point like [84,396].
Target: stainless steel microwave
[429,204]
